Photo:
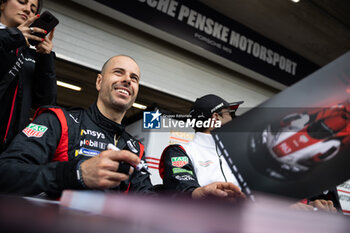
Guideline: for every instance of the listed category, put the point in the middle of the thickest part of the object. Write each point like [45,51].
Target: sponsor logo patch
[92,133]
[75,119]
[181,170]
[179,161]
[34,130]
[88,152]
[217,107]
[92,143]
[184,177]
[205,163]
[132,145]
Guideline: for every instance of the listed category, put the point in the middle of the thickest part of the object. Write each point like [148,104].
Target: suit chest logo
[93,143]
[92,138]
[132,144]
[92,133]
[87,152]
[205,163]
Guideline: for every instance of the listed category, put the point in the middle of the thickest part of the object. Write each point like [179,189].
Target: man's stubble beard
[120,107]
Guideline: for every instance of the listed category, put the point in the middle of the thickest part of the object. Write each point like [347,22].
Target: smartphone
[47,21]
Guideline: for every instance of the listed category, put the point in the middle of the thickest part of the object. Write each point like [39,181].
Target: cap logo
[216,107]
[201,116]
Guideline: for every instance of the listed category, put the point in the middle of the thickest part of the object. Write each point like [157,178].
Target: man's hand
[319,204]
[224,190]
[323,205]
[302,206]
[100,172]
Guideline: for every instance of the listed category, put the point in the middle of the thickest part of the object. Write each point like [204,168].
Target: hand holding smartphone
[47,21]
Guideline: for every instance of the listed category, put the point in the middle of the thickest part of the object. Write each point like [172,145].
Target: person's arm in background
[178,178]
[45,86]
[183,179]
[10,39]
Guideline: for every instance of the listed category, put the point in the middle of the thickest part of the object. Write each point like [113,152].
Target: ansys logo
[152,120]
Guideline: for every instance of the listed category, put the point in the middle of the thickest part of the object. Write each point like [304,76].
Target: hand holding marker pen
[140,167]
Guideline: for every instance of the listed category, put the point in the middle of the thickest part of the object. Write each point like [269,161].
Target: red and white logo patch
[34,130]
[179,161]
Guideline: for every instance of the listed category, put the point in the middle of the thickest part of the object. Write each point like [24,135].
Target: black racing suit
[43,158]
[27,80]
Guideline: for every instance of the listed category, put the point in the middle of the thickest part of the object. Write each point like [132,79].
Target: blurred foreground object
[87,211]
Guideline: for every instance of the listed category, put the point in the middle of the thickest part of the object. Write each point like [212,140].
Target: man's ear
[215,116]
[98,82]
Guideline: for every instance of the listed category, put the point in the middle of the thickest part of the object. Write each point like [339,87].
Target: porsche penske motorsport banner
[204,28]
[297,143]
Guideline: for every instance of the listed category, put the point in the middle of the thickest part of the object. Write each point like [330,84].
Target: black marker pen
[140,167]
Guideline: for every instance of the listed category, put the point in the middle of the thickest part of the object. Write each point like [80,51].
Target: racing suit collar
[104,122]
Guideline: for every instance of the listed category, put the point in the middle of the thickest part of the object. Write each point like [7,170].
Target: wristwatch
[80,174]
